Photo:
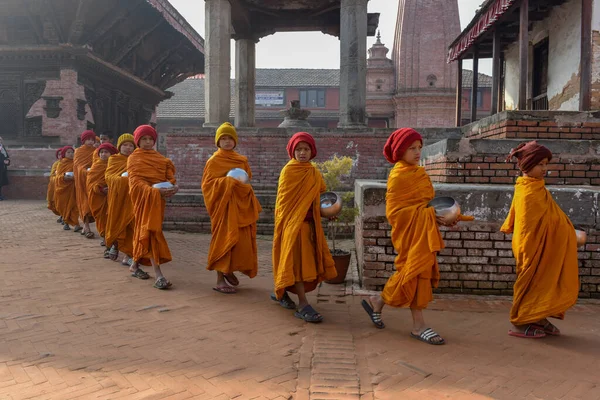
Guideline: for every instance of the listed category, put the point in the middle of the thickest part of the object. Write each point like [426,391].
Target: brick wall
[25,187]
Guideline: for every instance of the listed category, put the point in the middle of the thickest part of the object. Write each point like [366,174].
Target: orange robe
[146,168]
[415,236]
[545,248]
[233,210]
[97,199]
[300,251]
[81,162]
[51,186]
[120,222]
[65,198]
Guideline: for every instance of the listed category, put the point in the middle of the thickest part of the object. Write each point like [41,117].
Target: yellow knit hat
[226,129]
[126,137]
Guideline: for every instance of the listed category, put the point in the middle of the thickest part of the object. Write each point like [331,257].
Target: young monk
[415,236]
[51,186]
[120,223]
[233,210]
[545,248]
[106,137]
[65,198]
[81,162]
[147,167]
[98,189]
[301,257]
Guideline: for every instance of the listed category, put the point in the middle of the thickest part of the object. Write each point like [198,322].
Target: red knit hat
[529,155]
[302,137]
[107,146]
[398,142]
[63,151]
[144,130]
[86,135]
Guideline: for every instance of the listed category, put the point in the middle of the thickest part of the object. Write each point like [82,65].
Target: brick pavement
[73,325]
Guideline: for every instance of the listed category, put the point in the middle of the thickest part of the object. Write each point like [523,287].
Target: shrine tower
[425,83]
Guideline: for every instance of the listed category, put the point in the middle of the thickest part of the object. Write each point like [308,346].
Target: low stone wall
[478,257]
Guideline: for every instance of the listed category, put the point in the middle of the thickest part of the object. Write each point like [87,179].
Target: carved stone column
[217,87]
[245,82]
[353,63]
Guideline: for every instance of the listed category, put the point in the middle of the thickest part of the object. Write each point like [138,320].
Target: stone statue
[295,116]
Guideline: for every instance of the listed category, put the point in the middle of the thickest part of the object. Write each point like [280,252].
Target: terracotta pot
[342,262]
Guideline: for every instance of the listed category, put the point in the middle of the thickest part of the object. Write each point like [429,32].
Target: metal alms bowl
[163,185]
[69,174]
[125,174]
[445,207]
[581,236]
[331,204]
[239,174]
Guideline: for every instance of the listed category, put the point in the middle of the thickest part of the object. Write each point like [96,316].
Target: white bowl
[69,174]
[331,204]
[88,169]
[125,174]
[163,185]
[239,174]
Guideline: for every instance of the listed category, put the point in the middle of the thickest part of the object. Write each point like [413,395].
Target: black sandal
[66,227]
[162,283]
[113,253]
[78,228]
[427,336]
[375,316]
[309,314]
[140,274]
[285,302]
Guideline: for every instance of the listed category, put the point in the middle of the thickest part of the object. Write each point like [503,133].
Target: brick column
[353,63]
[217,87]
[245,82]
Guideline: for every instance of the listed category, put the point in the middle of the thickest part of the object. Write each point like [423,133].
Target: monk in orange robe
[147,167]
[415,236]
[301,256]
[98,189]
[233,210]
[51,185]
[545,248]
[65,198]
[81,162]
[120,223]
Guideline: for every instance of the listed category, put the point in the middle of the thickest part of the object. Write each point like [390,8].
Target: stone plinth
[478,257]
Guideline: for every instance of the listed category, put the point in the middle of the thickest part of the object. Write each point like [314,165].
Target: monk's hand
[105,190]
[445,222]
[175,189]
[164,192]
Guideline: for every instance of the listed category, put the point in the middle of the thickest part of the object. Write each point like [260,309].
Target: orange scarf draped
[300,186]
[64,193]
[120,220]
[415,236]
[97,199]
[545,248]
[146,168]
[82,160]
[231,205]
[51,188]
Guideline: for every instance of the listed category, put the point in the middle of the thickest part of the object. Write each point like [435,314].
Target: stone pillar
[353,63]
[217,86]
[245,82]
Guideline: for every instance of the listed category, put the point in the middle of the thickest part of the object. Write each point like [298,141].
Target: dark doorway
[540,75]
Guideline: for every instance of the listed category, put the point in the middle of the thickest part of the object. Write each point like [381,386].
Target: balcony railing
[540,103]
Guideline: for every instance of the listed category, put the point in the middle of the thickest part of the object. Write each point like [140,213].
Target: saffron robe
[233,210]
[82,160]
[146,168]
[96,198]
[65,198]
[51,187]
[120,222]
[545,248]
[415,236]
[300,251]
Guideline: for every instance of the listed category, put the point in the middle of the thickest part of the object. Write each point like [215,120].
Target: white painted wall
[563,28]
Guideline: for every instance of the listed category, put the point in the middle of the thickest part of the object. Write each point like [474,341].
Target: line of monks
[123,189]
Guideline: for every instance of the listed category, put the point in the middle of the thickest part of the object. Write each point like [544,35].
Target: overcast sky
[315,49]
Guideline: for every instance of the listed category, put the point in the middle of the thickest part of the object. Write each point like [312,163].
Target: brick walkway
[73,325]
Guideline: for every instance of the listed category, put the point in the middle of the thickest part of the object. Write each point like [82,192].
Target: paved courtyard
[73,325]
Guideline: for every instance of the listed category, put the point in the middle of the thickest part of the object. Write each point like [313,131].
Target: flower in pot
[333,170]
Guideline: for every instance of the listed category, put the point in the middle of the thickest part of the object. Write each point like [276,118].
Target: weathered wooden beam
[586,56]
[240,20]
[108,22]
[459,90]
[523,54]
[495,72]
[475,84]
[135,41]
[78,24]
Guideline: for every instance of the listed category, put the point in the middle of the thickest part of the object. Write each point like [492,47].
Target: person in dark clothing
[4,163]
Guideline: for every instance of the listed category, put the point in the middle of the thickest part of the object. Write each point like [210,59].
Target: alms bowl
[239,174]
[163,185]
[581,236]
[331,204]
[446,208]
[69,175]
[125,174]
[88,170]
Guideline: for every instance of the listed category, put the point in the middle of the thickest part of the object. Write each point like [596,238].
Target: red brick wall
[477,259]
[24,187]
[511,129]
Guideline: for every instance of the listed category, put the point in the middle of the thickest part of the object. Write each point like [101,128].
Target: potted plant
[333,170]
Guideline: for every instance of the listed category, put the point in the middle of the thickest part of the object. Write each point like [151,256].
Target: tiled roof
[188,96]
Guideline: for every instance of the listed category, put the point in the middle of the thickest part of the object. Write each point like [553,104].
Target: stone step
[575,162]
